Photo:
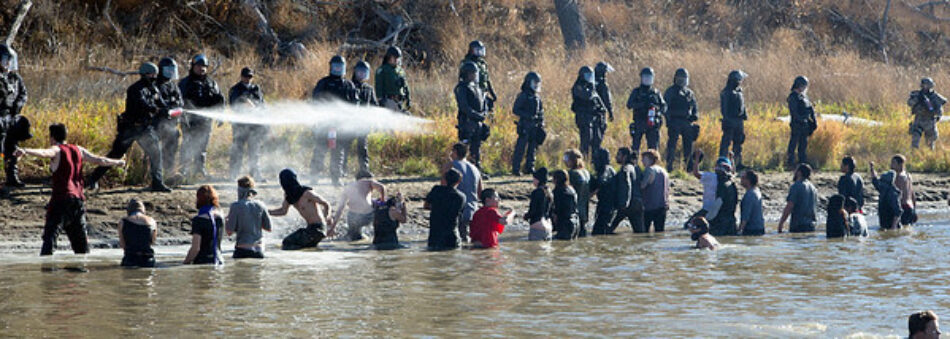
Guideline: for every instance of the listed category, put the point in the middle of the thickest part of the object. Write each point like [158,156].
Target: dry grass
[522,37]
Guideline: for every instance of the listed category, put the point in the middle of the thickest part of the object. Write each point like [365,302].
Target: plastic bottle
[331,139]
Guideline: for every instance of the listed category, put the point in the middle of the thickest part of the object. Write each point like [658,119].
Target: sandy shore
[22,215]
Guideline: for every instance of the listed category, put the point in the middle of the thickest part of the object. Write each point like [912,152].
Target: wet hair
[134,206]
[206,196]
[918,321]
[58,132]
[452,177]
[560,178]
[246,182]
[634,156]
[575,156]
[835,204]
[752,177]
[363,174]
[700,223]
[805,170]
[900,159]
[488,193]
[652,154]
[848,161]
[851,204]
[460,149]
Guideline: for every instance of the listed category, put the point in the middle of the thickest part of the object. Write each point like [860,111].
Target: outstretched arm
[281,211]
[377,186]
[48,153]
[99,160]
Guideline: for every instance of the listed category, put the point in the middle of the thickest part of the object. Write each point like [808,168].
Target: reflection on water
[773,286]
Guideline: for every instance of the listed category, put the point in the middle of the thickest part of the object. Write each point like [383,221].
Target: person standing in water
[357,196]
[837,220]
[248,218]
[445,203]
[206,229]
[470,185]
[539,209]
[850,184]
[889,209]
[488,223]
[312,207]
[801,203]
[905,184]
[67,204]
[602,186]
[389,215]
[629,198]
[656,192]
[580,181]
[751,221]
[565,207]
[856,221]
[137,233]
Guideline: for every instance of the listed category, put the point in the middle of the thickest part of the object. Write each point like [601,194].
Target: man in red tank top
[67,204]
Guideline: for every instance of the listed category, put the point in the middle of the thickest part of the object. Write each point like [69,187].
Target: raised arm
[377,186]
[99,160]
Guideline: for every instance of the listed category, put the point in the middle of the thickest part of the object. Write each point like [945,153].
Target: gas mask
[535,86]
[338,69]
[681,81]
[479,51]
[8,62]
[646,80]
[361,74]
[170,72]
[589,77]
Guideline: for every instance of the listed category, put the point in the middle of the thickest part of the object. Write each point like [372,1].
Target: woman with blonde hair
[580,180]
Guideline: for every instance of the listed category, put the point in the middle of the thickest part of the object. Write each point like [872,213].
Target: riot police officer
[143,104]
[199,91]
[392,89]
[681,117]
[802,121]
[648,109]
[476,54]
[603,89]
[332,87]
[472,111]
[166,125]
[243,97]
[589,110]
[927,107]
[732,106]
[530,111]
[14,127]
[366,96]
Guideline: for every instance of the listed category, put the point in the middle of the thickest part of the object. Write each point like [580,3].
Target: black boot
[13,177]
[159,187]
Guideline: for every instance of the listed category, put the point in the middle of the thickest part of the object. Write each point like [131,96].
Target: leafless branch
[21,10]
[110,70]
[920,9]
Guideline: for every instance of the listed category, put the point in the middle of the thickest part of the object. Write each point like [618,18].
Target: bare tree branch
[110,70]
[21,10]
[919,9]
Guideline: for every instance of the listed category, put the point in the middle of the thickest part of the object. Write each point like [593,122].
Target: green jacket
[484,80]
[391,83]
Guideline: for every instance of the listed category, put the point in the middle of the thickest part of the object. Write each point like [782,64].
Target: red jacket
[485,227]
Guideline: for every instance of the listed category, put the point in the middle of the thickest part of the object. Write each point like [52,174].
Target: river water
[632,286]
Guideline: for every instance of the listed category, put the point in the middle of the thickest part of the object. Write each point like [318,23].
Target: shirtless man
[357,196]
[699,231]
[311,206]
